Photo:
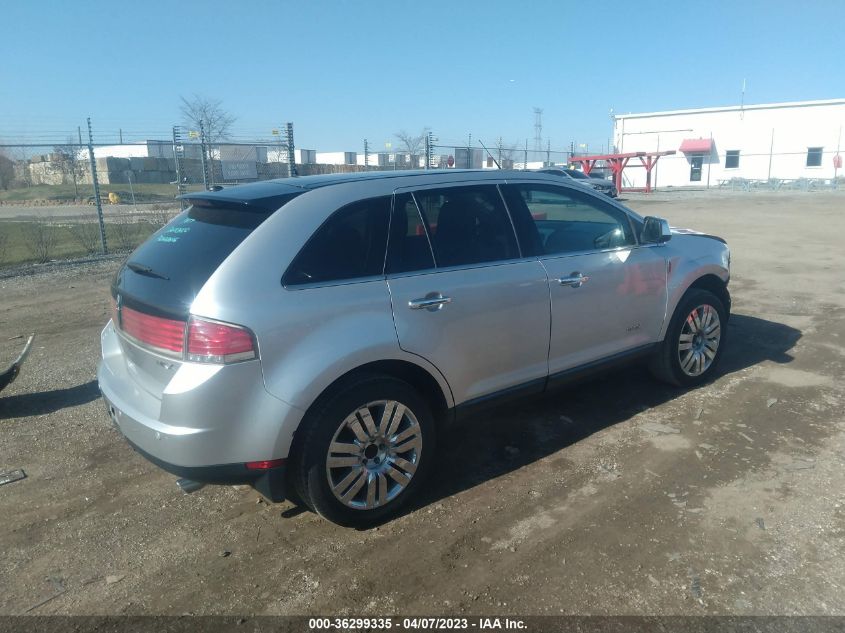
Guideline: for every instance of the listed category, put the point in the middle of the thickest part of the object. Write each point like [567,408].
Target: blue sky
[344,71]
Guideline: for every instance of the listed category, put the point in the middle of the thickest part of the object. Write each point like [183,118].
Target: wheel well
[414,375]
[715,285]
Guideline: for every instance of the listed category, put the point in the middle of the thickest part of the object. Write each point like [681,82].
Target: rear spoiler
[239,198]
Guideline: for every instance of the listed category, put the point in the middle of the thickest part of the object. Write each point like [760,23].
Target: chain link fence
[78,197]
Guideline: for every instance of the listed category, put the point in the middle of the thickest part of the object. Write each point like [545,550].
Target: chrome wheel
[699,340]
[374,454]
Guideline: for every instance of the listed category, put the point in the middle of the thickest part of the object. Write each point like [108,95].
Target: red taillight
[164,335]
[213,342]
[265,465]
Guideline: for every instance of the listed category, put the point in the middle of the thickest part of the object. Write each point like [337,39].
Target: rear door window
[467,225]
[349,245]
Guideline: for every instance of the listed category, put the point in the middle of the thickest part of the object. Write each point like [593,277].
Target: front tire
[365,451]
[694,342]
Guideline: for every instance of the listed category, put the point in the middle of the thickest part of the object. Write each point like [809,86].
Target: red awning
[696,145]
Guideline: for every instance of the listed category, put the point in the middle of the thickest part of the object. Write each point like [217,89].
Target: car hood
[596,182]
[682,231]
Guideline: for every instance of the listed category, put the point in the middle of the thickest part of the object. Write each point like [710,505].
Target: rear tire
[694,342]
[366,449]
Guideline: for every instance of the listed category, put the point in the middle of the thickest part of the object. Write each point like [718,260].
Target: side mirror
[655,231]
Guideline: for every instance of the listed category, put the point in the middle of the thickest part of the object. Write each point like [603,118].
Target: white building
[336,158]
[146,149]
[784,141]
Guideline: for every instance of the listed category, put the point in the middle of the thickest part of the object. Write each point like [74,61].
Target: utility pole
[538,130]
[469,151]
[500,151]
[120,134]
[525,157]
[178,158]
[548,152]
[429,149]
[709,160]
[96,183]
[366,153]
[291,151]
[79,132]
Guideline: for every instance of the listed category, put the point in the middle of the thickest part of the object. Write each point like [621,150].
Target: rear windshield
[167,271]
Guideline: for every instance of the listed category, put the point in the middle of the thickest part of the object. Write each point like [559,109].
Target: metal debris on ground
[7,477]
[760,523]
[59,589]
[771,402]
[800,465]
[695,587]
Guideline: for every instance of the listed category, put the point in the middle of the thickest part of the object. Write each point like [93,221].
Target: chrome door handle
[575,280]
[432,302]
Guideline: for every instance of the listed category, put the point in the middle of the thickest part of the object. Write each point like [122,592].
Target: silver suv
[311,336]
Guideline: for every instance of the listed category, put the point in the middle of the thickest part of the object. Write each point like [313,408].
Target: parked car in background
[599,184]
[318,336]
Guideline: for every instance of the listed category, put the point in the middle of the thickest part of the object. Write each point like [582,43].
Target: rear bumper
[269,482]
[205,423]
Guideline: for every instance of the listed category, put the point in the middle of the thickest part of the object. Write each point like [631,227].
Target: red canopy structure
[697,145]
[618,162]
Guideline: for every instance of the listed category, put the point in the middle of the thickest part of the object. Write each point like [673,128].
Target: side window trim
[510,219]
[426,229]
[394,210]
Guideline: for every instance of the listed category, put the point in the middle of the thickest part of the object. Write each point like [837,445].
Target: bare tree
[506,153]
[509,150]
[7,171]
[40,236]
[216,121]
[412,143]
[86,233]
[70,166]
[21,155]
[125,234]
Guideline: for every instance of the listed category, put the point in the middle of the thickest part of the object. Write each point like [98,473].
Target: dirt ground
[616,496]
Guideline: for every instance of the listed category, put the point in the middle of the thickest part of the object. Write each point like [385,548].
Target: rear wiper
[141,269]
